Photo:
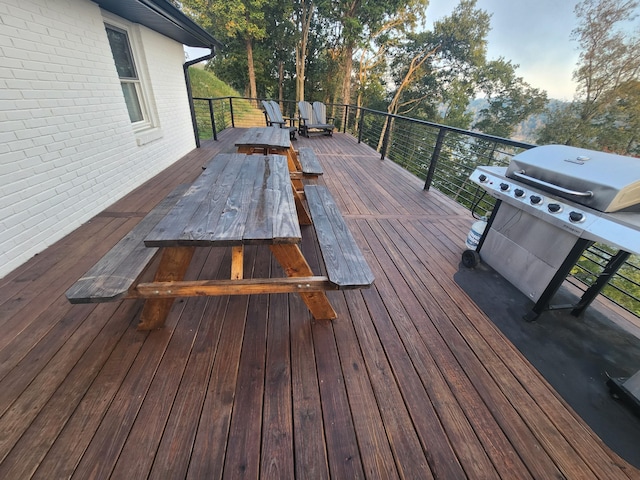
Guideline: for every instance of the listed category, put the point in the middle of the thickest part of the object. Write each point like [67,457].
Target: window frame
[141,85]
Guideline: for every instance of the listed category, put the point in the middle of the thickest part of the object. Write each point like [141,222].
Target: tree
[607,74]
[276,50]
[510,99]
[620,125]
[430,62]
[302,18]
[233,19]
[355,19]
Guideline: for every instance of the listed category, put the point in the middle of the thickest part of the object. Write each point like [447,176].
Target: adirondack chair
[274,118]
[307,121]
[319,111]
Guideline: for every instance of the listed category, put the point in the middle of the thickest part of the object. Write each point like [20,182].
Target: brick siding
[67,146]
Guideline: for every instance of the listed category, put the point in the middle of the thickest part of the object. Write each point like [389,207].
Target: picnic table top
[272,137]
[238,199]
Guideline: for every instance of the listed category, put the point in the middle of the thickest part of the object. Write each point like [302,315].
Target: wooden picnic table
[238,200]
[269,140]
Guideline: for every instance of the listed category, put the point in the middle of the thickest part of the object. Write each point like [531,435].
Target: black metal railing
[442,156]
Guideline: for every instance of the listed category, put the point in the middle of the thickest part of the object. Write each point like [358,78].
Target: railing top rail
[482,136]
[471,133]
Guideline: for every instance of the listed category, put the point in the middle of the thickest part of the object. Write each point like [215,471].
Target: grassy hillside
[205,84]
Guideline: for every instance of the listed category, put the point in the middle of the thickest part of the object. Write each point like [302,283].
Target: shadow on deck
[412,380]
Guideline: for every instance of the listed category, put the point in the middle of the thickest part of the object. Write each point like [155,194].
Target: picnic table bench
[346,266]
[112,278]
[238,200]
[309,162]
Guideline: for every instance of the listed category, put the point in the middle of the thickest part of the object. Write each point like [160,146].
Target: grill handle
[556,188]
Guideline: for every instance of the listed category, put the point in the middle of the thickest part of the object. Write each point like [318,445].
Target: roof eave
[162,17]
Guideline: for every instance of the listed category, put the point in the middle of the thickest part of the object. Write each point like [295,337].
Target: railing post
[213,120]
[385,138]
[233,122]
[346,118]
[360,124]
[434,158]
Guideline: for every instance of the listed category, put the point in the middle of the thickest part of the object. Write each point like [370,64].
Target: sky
[532,34]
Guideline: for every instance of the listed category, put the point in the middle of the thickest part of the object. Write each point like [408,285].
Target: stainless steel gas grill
[553,202]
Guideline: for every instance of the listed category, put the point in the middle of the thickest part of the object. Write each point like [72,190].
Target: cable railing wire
[442,156]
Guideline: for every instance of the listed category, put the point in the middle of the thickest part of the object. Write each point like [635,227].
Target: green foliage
[510,99]
[227,19]
[206,85]
[436,72]
[605,114]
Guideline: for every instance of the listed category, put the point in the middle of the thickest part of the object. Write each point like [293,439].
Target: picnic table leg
[295,265]
[293,160]
[296,182]
[303,214]
[173,266]
[237,262]
[248,150]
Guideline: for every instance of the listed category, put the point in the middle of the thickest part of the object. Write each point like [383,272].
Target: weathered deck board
[410,381]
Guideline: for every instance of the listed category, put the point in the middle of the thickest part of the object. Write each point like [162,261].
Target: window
[129,79]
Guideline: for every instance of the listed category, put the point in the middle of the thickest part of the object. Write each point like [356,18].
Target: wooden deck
[411,381]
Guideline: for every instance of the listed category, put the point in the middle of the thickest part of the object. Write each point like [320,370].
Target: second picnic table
[269,140]
[272,140]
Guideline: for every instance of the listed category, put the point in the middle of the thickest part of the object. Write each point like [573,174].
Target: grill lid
[602,181]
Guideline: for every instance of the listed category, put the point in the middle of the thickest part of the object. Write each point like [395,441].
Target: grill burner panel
[621,230]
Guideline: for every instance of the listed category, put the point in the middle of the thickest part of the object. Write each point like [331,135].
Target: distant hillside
[526,131]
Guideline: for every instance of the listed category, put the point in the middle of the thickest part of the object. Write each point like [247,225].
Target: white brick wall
[67,147]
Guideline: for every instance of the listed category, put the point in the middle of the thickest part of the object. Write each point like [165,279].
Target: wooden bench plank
[196,203]
[309,162]
[345,264]
[273,215]
[113,275]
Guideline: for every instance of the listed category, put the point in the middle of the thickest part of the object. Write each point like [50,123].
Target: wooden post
[173,266]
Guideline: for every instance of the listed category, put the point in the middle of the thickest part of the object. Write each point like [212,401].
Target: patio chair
[319,111]
[274,118]
[308,122]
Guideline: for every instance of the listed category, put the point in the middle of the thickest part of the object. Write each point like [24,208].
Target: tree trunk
[346,82]
[252,72]
[281,82]
[304,24]
[300,60]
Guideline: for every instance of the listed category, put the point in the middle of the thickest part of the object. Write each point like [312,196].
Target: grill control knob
[504,187]
[482,178]
[576,217]
[535,199]
[555,207]
[518,192]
